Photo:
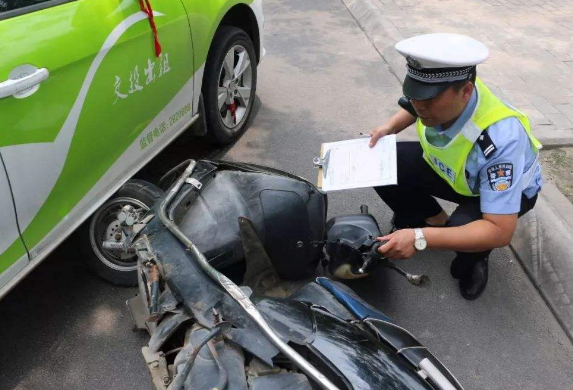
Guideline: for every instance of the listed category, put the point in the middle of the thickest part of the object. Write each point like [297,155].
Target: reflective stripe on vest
[449,161]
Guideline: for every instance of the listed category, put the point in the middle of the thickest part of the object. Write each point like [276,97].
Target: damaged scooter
[227,258]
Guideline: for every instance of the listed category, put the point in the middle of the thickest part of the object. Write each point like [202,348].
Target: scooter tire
[120,272]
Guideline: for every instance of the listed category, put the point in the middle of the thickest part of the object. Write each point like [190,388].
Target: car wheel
[105,228]
[229,84]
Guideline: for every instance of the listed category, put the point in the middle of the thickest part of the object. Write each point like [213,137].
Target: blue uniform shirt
[513,157]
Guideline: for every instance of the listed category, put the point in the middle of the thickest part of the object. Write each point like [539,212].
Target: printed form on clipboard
[353,164]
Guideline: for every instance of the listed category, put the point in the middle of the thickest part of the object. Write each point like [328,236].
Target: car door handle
[12,87]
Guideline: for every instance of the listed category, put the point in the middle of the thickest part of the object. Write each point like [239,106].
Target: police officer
[474,150]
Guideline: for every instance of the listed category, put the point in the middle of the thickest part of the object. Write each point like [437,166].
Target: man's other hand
[377,133]
[396,124]
[399,245]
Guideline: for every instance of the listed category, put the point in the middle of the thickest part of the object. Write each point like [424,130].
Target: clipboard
[322,164]
[353,164]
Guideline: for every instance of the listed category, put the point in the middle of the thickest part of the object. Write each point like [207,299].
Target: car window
[10,5]
[11,8]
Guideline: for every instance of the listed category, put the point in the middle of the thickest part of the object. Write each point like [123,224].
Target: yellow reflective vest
[449,161]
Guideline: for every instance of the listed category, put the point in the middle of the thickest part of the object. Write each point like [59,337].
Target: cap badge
[413,62]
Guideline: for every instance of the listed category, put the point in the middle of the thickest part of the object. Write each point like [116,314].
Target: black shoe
[461,267]
[473,285]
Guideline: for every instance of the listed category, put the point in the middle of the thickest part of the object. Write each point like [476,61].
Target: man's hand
[396,124]
[400,244]
[377,133]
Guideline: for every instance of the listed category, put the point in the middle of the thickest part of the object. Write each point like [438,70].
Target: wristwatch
[419,240]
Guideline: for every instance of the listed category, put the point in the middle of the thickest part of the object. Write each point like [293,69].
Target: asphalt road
[321,81]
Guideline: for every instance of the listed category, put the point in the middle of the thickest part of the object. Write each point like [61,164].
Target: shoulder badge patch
[500,176]
[486,144]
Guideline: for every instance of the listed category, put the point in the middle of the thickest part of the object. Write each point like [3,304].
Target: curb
[380,30]
[542,244]
[543,238]
[551,139]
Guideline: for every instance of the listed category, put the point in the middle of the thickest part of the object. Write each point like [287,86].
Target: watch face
[420,244]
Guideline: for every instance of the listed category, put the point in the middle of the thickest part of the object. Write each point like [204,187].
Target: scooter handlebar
[417,280]
[374,249]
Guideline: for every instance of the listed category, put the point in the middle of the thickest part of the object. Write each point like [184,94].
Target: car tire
[227,120]
[121,271]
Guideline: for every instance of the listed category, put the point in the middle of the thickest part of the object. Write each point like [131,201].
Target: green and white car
[91,91]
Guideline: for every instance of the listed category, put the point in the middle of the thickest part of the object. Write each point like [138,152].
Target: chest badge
[500,176]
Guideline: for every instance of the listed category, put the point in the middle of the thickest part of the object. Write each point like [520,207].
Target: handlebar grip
[374,249]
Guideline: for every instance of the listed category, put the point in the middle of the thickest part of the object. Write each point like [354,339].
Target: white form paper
[353,164]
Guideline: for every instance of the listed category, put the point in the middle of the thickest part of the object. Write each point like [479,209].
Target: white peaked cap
[442,50]
[437,60]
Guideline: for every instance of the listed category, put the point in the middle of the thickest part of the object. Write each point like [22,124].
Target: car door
[13,256]
[88,94]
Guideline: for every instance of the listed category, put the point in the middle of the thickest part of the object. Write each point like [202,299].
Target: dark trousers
[413,200]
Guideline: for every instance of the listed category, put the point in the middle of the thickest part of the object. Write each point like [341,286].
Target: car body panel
[54,162]
[9,234]
[99,117]
[205,17]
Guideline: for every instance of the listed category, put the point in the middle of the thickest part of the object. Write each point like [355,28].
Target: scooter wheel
[115,267]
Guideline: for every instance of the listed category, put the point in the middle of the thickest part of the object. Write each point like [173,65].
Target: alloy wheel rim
[234,88]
